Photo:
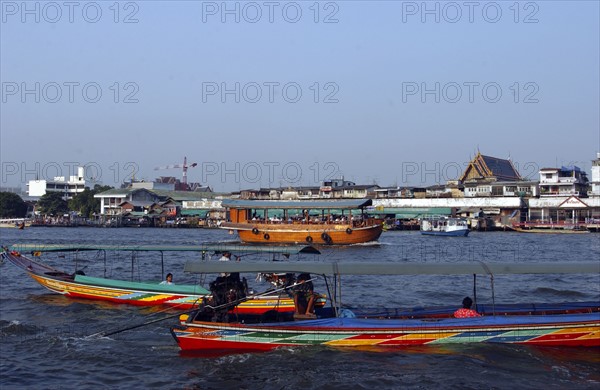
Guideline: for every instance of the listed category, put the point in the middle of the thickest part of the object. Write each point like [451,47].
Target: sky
[280,93]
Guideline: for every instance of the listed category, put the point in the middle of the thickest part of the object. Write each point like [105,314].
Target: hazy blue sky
[518,79]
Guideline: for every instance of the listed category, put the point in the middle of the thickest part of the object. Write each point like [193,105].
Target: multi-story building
[595,183]
[564,181]
[327,189]
[69,188]
[111,201]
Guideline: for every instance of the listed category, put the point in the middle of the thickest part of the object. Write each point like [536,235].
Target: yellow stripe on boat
[156,298]
[592,335]
[427,336]
[578,330]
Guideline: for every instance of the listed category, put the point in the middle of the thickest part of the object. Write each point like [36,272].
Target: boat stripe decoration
[526,336]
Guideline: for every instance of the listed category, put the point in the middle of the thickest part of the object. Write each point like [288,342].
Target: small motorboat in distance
[444,226]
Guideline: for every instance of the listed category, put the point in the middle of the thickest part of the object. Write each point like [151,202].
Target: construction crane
[184,168]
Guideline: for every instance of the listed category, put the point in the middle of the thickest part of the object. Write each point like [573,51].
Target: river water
[43,343]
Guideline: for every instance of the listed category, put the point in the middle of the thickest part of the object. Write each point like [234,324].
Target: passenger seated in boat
[279,280]
[168,279]
[304,296]
[466,311]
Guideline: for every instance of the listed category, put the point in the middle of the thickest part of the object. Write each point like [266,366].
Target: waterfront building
[595,183]
[438,191]
[113,200]
[487,176]
[354,191]
[328,186]
[522,188]
[495,211]
[564,181]
[561,210]
[300,193]
[394,192]
[70,187]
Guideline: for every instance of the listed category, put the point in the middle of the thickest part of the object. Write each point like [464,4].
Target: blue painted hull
[455,233]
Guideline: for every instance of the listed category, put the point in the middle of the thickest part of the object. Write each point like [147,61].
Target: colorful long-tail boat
[180,296]
[326,222]
[562,324]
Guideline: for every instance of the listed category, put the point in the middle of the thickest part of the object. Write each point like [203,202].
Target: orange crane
[184,168]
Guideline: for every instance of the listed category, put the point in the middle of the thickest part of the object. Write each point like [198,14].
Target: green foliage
[12,206]
[52,204]
[85,203]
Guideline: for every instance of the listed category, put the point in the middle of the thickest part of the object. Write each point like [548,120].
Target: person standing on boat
[466,311]
[168,279]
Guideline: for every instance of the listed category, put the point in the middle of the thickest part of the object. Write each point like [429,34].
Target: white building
[69,188]
[595,177]
[111,200]
[564,181]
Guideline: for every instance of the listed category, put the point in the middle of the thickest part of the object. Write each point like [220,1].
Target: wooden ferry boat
[544,324]
[338,222]
[181,296]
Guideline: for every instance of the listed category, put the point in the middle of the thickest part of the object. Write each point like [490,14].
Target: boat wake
[367,244]
[16,328]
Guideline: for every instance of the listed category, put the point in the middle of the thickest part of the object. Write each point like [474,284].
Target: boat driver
[466,311]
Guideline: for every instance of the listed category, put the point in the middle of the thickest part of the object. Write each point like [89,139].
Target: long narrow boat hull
[581,330]
[122,292]
[550,231]
[254,306]
[306,234]
[451,233]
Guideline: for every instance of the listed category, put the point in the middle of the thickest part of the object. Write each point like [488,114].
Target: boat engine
[226,292]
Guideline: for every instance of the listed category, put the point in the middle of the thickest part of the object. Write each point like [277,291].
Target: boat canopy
[225,247]
[152,286]
[346,204]
[347,268]
[411,213]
